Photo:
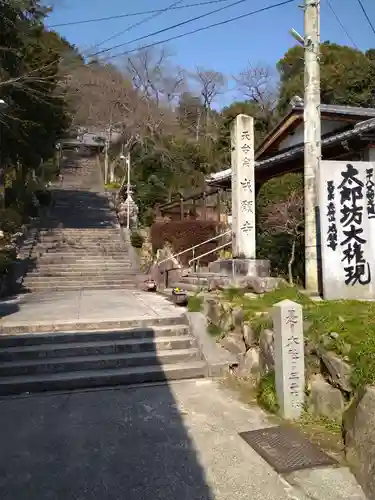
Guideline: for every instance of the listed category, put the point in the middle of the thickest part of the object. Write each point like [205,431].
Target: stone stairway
[98,330]
[80,246]
[97,358]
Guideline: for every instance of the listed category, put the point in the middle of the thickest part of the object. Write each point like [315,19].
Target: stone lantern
[133,212]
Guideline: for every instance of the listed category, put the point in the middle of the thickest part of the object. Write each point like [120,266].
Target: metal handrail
[209,252]
[196,246]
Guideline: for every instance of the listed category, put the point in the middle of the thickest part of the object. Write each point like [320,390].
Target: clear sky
[259,39]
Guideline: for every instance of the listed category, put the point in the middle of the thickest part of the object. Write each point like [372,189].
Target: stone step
[101,325]
[89,348]
[47,281]
[189,287]
[101,378]
[124,266]
[98,362]
[81,286]
[79,273]
[81,254]
[22,340]
[71,259]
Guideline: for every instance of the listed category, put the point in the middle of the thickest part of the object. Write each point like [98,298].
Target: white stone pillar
[289,358]
[243,187]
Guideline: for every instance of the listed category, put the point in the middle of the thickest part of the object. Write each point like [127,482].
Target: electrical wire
[139,23]
[366,15]
[178,25]
[221,23]
[133,14]
[341,24]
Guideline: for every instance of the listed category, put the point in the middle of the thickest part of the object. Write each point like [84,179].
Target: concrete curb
[218,359]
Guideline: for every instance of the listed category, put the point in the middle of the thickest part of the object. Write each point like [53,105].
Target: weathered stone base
[237,268]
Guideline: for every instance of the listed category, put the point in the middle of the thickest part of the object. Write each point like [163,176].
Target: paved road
[164,442]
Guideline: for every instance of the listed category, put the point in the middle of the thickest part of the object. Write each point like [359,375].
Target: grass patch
[325,433]
[266,393]
[195,304]
[214,330]
[352,320]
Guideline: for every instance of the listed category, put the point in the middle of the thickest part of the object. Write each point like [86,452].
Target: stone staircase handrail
[193,248]
[197,259]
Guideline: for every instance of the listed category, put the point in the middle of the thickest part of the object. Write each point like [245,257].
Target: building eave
[357,130]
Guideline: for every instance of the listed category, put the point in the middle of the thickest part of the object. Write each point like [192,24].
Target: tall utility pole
[312,139]
[128,190]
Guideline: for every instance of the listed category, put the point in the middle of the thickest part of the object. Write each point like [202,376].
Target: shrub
[136,239]
[44,197]
[276,247]
[266,393]
[10,220]
[185,234]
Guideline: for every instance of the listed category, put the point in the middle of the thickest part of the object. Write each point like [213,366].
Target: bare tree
[211,84]
[256,83]
[152,74]
[104,98]
[287,217]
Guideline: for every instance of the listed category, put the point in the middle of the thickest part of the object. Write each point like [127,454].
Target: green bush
[136,239]
[44,198]
[277,247]
[10,220]
[266,393]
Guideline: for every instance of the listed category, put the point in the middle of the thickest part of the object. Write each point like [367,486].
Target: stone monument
[243,187]
[289,358]
[244,261]
[347,228]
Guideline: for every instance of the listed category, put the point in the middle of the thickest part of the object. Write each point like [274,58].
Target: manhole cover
[286,449]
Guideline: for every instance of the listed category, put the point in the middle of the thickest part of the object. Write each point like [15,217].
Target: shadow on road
[120,443]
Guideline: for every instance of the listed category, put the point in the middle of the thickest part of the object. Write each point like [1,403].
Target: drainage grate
[286,449]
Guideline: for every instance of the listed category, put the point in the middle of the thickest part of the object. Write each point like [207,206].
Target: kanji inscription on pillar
[289,358]
[347,212]
[243,187]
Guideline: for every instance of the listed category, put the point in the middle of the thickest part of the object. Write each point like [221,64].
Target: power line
[139,23]
[221,23]
[366,15]
[133,14]
[341,24]
[178,25]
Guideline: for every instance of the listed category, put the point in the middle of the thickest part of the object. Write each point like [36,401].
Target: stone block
[259,284]
[233,343]
[212,310]
[266,352]
[359,438]
[248,335]
[325,400]
[337,370]
[237,319]
[235,268]
[249,364]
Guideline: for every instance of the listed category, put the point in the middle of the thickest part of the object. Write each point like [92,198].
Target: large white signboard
[347,224]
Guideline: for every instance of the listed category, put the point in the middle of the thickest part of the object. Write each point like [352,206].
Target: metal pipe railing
[197,246]
[194,259]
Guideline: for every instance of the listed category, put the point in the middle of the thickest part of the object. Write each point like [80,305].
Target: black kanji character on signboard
[353,252]
[360,273]
[352,213]
[370,193]
[331,212]
[351,186]
[353,234]
[332,237]
[330,190]
[245,135]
